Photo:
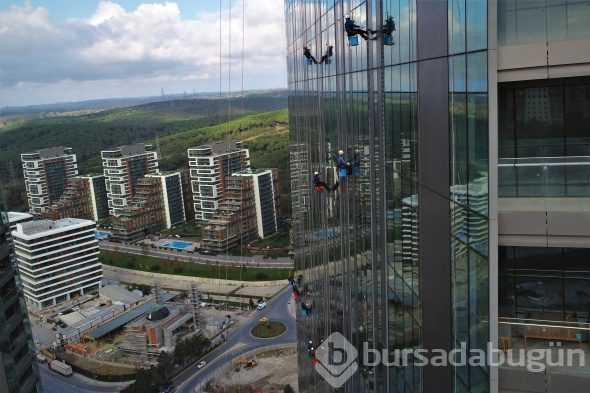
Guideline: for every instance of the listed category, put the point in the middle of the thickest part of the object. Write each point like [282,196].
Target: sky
[64,50]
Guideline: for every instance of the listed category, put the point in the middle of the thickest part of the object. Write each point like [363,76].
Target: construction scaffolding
[194,303]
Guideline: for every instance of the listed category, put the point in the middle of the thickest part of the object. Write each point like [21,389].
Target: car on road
[201,364]
[261,305]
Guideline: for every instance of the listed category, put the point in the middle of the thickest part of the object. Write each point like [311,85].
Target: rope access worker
[389,26]
[307,53]
[344,167]
[353,29]
[320,186]
[329,53]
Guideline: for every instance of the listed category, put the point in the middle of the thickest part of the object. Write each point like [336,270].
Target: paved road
[56,383]
[240,341]
[257,261]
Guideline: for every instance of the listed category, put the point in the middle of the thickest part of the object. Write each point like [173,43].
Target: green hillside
[263,126]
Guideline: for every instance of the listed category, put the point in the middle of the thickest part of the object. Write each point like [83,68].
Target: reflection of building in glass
[46,173]
[57,260]
[209,166]
[17,361]
[300,176]
[123,167]
[84,197]
[392,276]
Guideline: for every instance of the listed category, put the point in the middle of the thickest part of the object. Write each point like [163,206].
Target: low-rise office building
[57,260]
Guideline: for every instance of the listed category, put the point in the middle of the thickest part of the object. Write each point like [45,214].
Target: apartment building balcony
[544,201]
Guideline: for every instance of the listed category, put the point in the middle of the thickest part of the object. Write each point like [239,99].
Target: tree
[251,303]
[288,389]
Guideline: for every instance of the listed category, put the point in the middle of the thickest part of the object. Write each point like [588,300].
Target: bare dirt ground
[275,370]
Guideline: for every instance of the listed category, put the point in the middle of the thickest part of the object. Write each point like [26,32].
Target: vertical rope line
[220,61]
[229,67]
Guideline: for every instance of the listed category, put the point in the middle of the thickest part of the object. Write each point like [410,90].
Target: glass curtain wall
[358,246]
[468,104]
[544,147]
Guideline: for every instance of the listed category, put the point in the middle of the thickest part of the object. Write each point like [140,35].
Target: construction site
[267,372]
[121,330]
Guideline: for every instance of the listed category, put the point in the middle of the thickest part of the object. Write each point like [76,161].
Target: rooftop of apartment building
[39,227]
[130,150]
[91,175]
[217,148]
[50,152]
[251,171]
[163,173]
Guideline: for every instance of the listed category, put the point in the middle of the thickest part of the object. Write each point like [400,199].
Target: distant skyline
[60,50]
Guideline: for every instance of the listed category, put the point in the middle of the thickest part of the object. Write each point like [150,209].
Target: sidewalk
[103,384]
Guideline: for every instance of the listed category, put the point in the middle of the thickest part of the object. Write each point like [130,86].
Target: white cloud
[142,49]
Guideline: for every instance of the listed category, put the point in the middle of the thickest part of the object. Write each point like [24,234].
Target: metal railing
[549,177]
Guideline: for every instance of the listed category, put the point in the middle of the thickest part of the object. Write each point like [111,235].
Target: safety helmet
[340,152]
[316,173]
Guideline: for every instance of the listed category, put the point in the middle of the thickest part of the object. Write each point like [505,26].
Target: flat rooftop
[131,150]
[14,217]
[128,316]
[52,152]
[40,226]
[218,148]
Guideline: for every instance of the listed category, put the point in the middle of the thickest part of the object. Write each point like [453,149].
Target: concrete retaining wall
[197,280]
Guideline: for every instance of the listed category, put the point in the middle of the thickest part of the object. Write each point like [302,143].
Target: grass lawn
[279,239]
[167,266]
[187,229]
[263,331]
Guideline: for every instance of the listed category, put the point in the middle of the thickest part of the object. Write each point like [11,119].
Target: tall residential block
[209,166]
[235,221]
[123,167]
[173,197]
[57,260]
[85,197]
[144,214]
[266,196]
[46,173]
[18,368]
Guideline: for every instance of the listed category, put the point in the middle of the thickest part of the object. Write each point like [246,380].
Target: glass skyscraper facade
[396,256]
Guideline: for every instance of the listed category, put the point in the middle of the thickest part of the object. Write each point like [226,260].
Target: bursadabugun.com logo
[336,358]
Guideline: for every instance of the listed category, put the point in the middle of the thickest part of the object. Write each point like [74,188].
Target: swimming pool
[101,235]
[177,244]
